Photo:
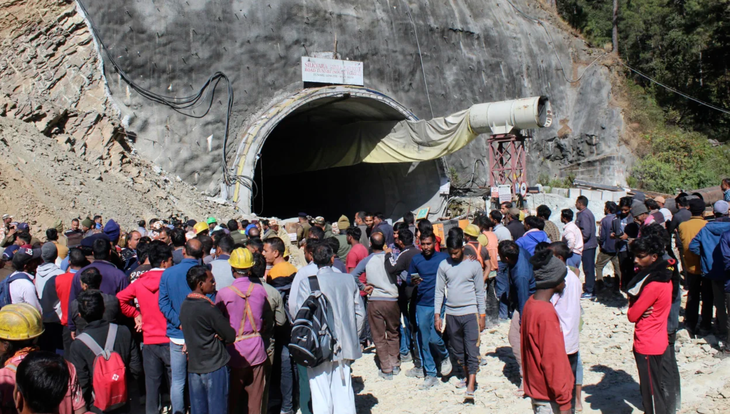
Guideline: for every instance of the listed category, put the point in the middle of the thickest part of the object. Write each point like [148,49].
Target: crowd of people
[212,317]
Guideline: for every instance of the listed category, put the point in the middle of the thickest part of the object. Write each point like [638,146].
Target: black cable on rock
[181,105]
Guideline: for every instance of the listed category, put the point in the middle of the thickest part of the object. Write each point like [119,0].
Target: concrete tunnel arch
[393,189]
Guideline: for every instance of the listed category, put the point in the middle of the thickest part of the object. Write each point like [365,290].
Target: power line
[669,88]
[420,55]
[562,68]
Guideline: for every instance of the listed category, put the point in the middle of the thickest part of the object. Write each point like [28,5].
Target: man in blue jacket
[521,286]
[534,234]
[706,244]
[173,291]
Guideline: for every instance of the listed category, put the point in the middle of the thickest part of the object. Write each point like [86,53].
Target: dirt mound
[43,179]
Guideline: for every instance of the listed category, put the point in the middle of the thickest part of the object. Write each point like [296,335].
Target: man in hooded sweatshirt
[150,321]
[45,284]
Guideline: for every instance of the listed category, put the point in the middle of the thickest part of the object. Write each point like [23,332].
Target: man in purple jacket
[113,280]
[586,222]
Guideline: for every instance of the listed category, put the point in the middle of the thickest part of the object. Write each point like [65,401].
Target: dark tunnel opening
[285,187]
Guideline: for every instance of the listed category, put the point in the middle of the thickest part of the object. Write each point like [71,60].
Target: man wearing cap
[700,288]
[201,228]
[303,227]
[20,282]
[45,284]
[720,208]
[706,244]
[661,201]
[87,226]
[343,224]
[641,215]
[7,219]
[243,302]
[320,222]
[515,227]
[211,222]
[20,327]
[548,377]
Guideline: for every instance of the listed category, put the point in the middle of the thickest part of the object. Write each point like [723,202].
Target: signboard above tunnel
[332,71]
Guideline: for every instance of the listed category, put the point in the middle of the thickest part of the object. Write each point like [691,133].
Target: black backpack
[312,339]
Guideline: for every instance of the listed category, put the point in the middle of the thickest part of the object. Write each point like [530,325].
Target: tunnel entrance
[285,183]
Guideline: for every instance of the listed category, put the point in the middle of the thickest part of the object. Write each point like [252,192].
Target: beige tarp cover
[379,142]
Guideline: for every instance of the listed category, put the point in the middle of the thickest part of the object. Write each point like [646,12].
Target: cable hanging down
[182,105]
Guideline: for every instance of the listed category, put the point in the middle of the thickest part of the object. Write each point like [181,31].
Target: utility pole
[615,27]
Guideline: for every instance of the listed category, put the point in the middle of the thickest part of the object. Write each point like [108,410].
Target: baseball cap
[721,207]
[660,199]
[304,215]
[191,223]
[10,251]
[23,227]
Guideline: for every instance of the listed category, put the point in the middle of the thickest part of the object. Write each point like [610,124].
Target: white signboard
[505,193]
[339,72]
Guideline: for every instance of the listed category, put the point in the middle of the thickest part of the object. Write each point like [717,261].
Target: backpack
[312,340]
[5,298]
[110,374]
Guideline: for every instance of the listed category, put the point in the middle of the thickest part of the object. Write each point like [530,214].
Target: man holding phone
[422,273]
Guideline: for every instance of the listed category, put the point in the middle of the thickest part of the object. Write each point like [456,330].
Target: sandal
[469,397]
[461,384]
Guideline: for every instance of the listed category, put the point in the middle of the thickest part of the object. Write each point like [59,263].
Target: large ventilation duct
[408,141]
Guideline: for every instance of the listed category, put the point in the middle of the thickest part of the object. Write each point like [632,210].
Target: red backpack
[110,374]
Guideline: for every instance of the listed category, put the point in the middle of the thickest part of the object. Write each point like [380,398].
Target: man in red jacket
[650,300]
[150,321]
[547,377]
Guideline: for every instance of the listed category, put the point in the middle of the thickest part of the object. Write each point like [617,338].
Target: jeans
[156,360]
[209,392]
[700,288]
[429,339]
[282,378]
[408,330]
[718,295]
[589,268]
[365,335]
[502,288]
[574,261]
[671,381]
[179,369]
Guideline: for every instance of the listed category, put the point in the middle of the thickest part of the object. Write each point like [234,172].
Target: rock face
[470,51]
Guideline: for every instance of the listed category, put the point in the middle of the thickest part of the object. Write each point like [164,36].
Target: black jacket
[516,229]
[112,313]
[201,323]
[83,359]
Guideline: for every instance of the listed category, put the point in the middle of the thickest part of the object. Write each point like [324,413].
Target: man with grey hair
[45,284]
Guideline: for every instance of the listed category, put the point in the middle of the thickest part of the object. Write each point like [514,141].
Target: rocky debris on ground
[611,381]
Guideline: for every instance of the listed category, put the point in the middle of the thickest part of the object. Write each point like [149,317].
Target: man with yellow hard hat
[201,227]
[20,327]
[246,304]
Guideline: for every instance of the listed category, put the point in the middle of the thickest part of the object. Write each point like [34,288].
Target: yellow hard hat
[241,258]
[200,226]
[472,230]
[19,322]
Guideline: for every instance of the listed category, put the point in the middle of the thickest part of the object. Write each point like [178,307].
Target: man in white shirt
[21,286]
[573,237]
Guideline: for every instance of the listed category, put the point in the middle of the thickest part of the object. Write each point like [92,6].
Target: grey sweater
[384,284]
[465,284]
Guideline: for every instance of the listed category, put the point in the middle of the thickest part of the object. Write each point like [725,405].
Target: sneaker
[396,370]
[406,358]
[446,367]
[588,296]
[386,376]
[430,382]
[415,373]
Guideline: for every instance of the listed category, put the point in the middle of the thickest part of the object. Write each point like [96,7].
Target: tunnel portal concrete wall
[471,51]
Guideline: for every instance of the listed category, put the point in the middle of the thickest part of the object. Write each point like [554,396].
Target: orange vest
[478,250]
[492,248]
